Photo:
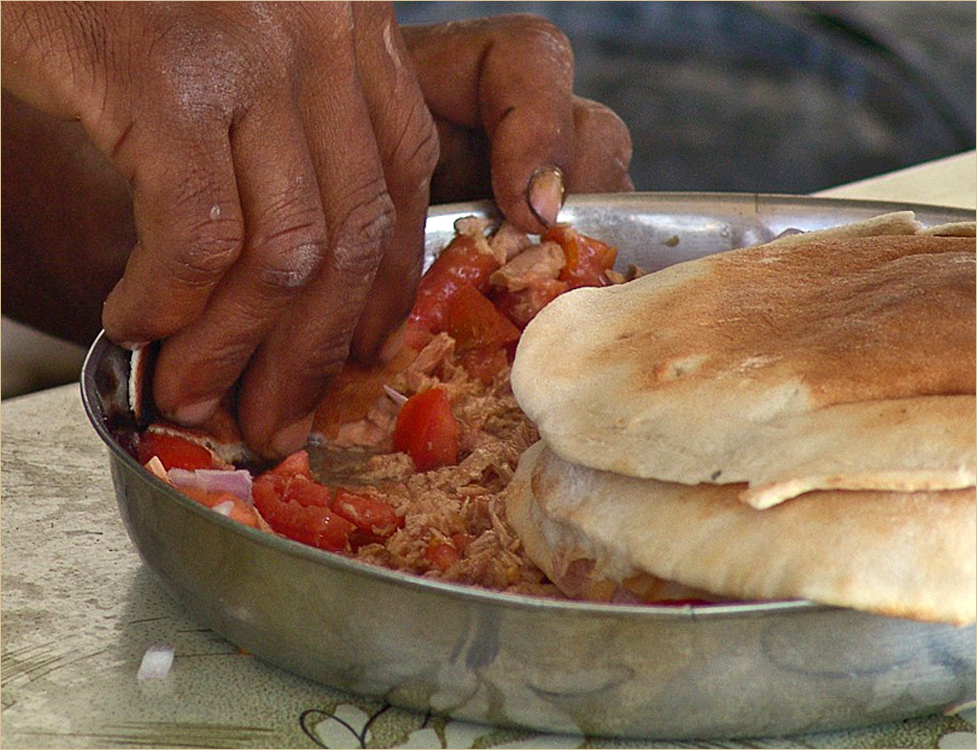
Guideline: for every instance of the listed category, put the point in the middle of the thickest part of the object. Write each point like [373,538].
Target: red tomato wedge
[296,464]
[427,430]
[442,555]
[373,516]
[174,452]
[297,508]
[521,307]
[460,264]
[587,258]
[475,323]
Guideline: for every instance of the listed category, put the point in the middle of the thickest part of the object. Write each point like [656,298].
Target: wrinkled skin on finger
[277,182]
[509,111]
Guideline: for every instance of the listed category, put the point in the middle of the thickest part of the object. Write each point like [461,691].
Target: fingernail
[545,194]
[289,439]
[195,413]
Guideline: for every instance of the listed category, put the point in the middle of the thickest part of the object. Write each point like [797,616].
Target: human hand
[317,161]
[501,92]
[275,154]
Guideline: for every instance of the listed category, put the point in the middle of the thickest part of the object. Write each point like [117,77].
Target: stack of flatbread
[790,420]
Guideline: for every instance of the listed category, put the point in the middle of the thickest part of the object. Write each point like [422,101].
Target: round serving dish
[739,670]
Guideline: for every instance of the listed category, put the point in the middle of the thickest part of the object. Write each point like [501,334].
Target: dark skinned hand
[280,159]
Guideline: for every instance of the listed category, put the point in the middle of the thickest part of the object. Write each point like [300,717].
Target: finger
[514,79]
[601,158]
[190,229]
[309,343]
[285,245]
[408,147]
[602,153]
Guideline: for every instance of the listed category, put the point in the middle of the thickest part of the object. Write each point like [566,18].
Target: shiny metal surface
[650,672]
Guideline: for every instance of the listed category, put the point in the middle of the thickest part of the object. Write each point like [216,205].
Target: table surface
[79,610]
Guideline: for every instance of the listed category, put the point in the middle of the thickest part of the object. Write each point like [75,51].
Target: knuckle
[417,153]
[542,35]
[288,256]
[363,230]
[291,262]
[208,252]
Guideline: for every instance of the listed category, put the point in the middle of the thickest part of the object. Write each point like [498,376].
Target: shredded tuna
[508,242]
[461,505]
[539,263]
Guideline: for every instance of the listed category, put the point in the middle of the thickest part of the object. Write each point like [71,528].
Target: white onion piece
[156,468]
[237,482]
[396,396]
[156,662]
[224,508]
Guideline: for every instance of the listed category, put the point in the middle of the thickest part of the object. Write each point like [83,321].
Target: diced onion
[395,396]
[237,482]
[155,467]
[156,662]
[224,508]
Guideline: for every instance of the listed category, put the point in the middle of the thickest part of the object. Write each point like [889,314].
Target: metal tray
[642,671]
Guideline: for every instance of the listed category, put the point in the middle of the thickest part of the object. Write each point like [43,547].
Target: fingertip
[291,437]
[545,194]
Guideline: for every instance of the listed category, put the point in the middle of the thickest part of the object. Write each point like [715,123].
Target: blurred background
[786,97]
[780,97]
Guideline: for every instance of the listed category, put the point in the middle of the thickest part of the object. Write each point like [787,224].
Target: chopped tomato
[484,363]
[240,510]
[296,464]
[307,493]
[292,507]
[427,430]
[461,541]
[461,263]
[174,452]
[521,307]
[474,322]
[370,515]
[587,258]
[442,555]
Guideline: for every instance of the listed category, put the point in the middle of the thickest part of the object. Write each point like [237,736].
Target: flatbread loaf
[788,367]
[903,554]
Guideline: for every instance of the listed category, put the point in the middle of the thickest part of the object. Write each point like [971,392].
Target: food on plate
[794,419]
[408,460]
[788,420]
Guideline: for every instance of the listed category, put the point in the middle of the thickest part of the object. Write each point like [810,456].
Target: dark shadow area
[770,97]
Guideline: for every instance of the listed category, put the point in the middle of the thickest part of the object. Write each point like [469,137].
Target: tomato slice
[522,306]
[485,363]
[373,516]
[174,452]
[587,258]
[296,464]
[442,555]
[427,430]
[240,510]
[475,323]
[293,507]
[460,264]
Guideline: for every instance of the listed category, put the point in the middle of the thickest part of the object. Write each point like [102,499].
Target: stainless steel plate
[650,672]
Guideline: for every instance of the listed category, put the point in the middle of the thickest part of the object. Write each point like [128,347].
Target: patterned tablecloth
[79,611]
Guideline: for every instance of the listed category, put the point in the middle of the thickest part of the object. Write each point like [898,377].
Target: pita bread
[903,554]
[790,366]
